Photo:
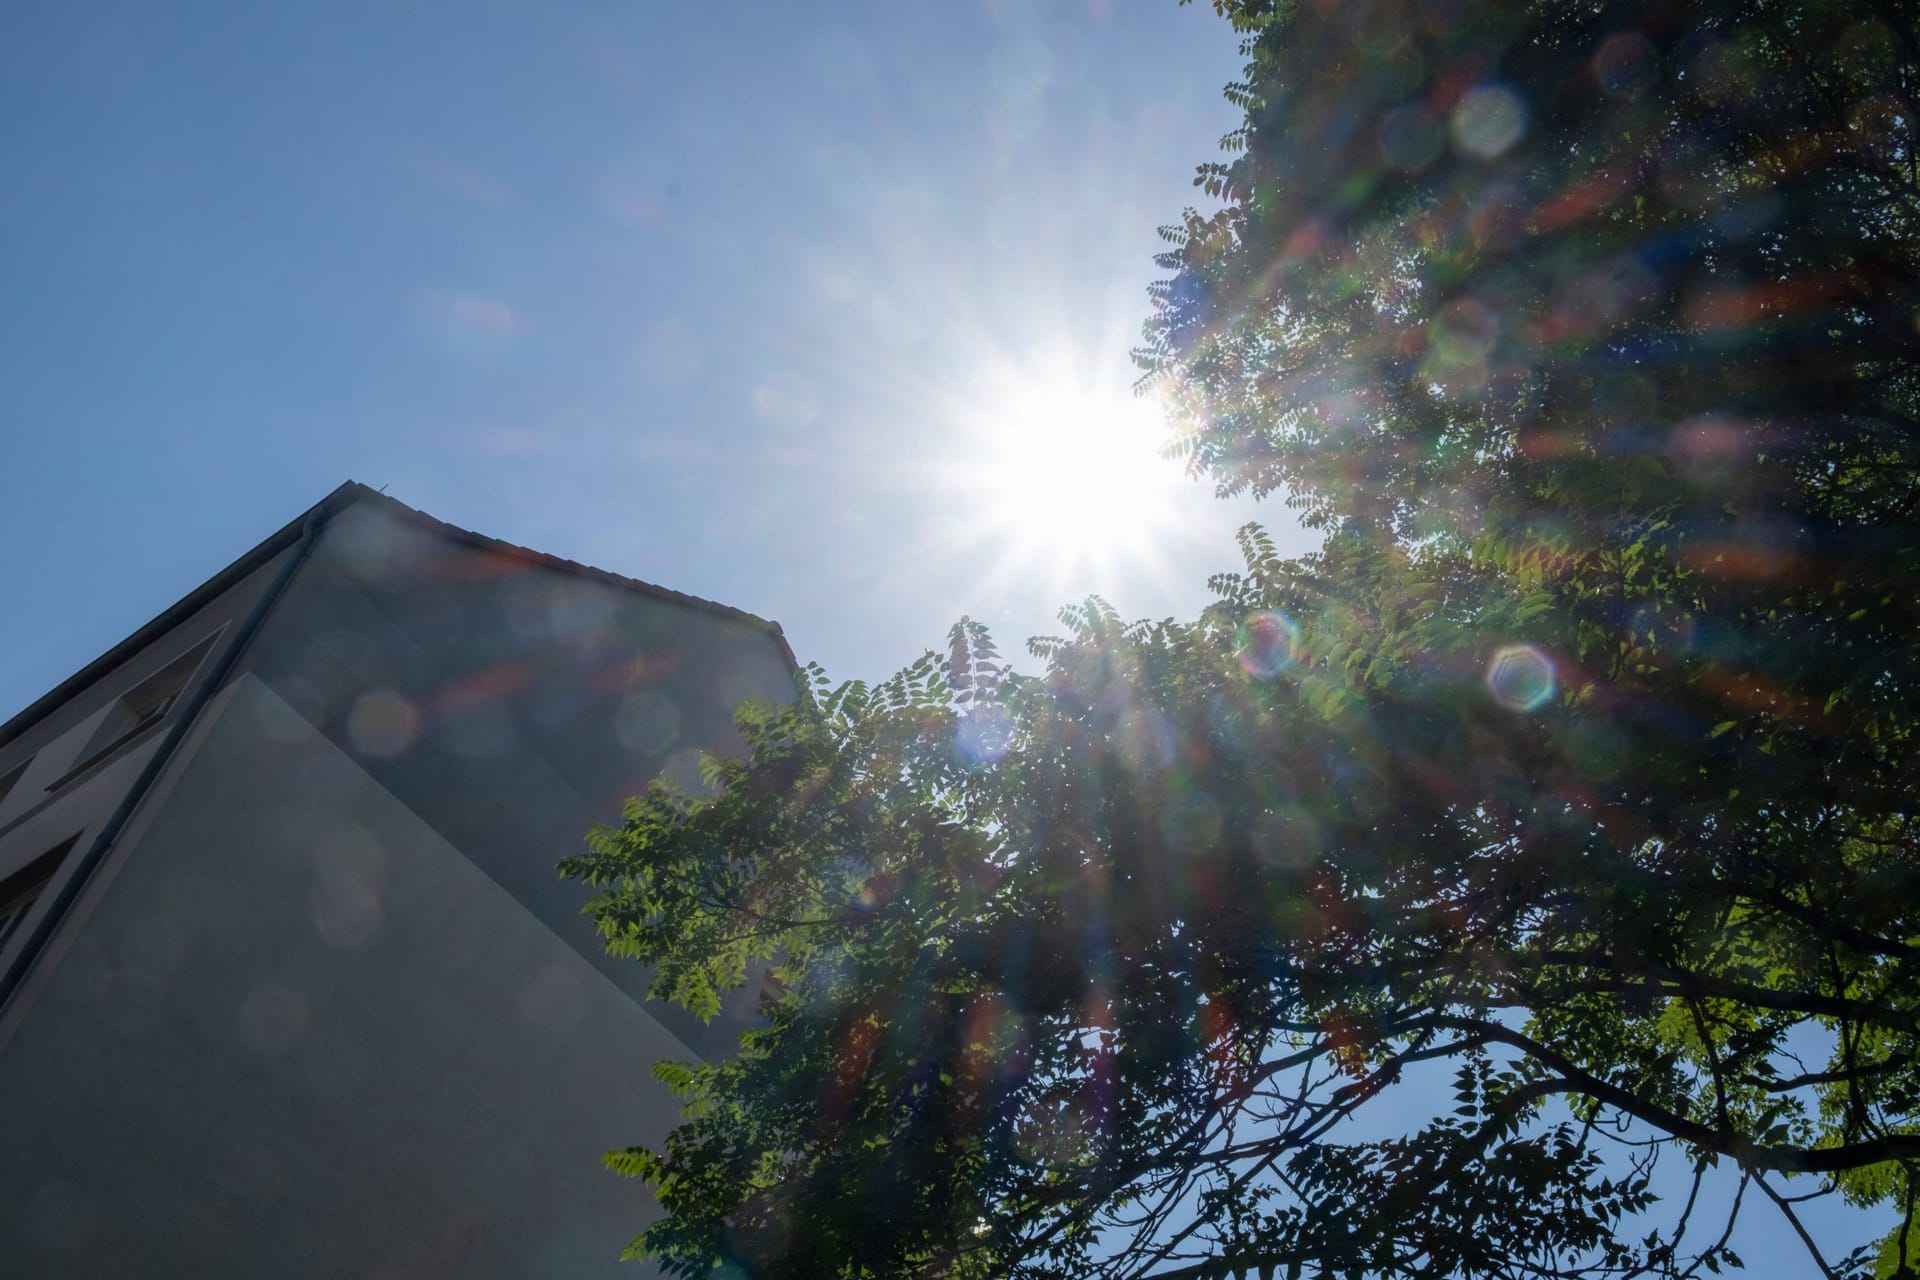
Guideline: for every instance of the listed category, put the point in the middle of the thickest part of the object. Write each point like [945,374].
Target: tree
[1553,821]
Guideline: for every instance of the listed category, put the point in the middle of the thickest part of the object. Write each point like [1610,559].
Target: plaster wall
[51,801]
[512,705]
[299,1034]
[327,1008]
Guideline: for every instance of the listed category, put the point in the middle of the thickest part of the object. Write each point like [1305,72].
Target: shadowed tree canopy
[1450,901]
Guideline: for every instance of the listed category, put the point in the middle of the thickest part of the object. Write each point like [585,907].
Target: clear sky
[782,305]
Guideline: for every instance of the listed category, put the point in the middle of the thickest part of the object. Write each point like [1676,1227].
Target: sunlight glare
[1069,472]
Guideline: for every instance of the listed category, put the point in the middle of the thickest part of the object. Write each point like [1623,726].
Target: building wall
[47,806]
[328,1009]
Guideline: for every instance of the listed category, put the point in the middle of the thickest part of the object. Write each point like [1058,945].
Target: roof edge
[346,495]
[528,555]
[176,613]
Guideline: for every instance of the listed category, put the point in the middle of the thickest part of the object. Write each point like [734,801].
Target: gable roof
[347,495]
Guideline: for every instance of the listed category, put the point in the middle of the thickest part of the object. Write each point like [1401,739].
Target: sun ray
[1062,474]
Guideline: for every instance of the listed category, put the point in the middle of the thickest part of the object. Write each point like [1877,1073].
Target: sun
[1066,470]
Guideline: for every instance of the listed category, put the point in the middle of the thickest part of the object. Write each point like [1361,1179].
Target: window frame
[109,741]
[11,779]
[22,891]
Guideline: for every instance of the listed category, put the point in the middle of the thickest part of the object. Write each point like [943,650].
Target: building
[289,985]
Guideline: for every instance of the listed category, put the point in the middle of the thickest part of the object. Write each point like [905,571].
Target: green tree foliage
[1405,912]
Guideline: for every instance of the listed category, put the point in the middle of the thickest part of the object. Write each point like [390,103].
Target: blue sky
[756,301]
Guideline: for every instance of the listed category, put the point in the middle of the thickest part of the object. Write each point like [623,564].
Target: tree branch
[1744,1152]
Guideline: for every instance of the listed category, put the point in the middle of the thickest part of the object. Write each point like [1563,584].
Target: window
[11,778]
[144,705]
[19,891]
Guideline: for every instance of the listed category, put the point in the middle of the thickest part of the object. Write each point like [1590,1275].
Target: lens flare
[1060,465]
[984,734]
[383,723]
[1520,678]
[1269,644]
[1488,121]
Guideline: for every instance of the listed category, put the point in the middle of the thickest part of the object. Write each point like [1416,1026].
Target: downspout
[70,888]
